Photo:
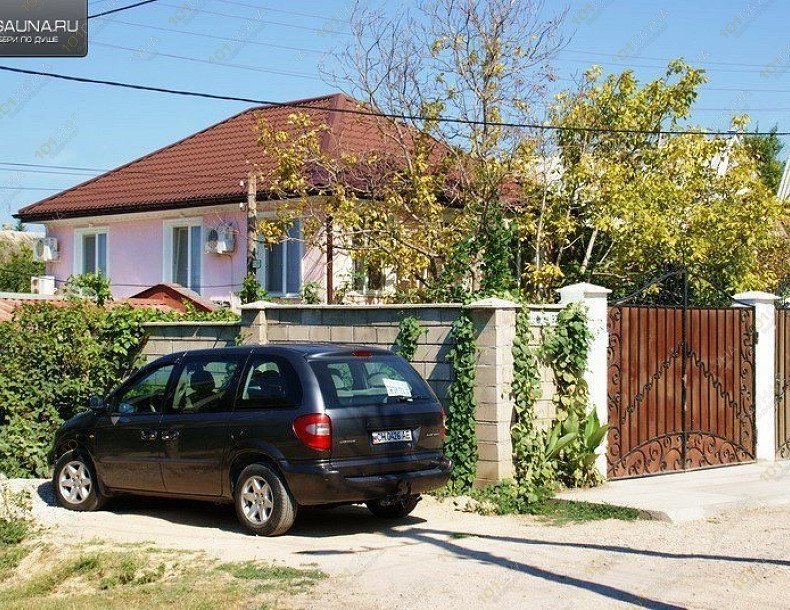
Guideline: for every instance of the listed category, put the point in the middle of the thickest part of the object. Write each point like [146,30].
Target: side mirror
[96,403]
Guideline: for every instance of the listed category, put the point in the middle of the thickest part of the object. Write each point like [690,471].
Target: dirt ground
[442,557]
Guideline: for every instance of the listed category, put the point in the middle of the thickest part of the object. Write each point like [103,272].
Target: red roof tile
[207,167]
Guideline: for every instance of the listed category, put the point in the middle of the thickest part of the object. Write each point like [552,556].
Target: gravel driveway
[441,557]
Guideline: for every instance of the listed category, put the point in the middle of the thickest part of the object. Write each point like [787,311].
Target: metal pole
[684,367]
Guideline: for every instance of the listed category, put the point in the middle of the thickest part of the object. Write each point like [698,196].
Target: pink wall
[135,253]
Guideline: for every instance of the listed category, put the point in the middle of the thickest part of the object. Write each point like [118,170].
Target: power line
[442,119]
[283,11]
[28,188]
[122,8]
[665,60]
[208,61]
[128,168]
[214,37]
[243,18]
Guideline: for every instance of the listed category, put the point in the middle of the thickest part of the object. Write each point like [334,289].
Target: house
[177,215]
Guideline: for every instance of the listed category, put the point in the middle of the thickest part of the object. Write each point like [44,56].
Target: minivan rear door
[384,416]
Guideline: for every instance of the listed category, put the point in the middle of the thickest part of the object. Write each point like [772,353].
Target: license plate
[391,436]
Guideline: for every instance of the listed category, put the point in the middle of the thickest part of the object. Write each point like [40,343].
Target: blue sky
[743,44]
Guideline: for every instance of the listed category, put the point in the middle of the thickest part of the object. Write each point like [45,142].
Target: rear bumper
[321,484]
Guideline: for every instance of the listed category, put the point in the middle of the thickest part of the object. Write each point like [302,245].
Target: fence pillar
[764,370]
[595,298]
[495,320]
[253,324]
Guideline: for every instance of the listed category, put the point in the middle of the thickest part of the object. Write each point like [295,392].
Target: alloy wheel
[257,500]
[75,482]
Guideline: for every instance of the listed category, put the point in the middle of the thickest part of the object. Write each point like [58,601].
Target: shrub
[52,358]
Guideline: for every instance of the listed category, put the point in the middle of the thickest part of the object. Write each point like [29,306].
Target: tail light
[314,430]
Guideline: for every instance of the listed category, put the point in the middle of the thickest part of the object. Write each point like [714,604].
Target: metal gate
[783,383]
[681,388]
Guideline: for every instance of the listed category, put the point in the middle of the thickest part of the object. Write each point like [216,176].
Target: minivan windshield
[374,380]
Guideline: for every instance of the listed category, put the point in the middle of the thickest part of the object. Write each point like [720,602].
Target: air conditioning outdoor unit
[46,250]
[221,240]
[42,284]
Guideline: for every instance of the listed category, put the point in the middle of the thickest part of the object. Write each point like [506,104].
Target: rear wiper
[409,398]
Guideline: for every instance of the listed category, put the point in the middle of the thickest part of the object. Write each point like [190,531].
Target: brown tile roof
[9,304]
[207,167]
[174,296]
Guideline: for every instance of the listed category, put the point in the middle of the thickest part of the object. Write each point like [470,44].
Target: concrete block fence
[494,319]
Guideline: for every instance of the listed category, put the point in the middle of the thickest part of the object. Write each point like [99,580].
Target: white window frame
[167,248]
[79,235]
[261,256]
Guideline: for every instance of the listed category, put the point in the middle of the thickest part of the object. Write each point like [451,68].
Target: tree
[616,207]
[430,207]
[17,267]
[766,150]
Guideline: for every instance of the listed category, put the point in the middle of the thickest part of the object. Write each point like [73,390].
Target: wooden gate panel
[658,423]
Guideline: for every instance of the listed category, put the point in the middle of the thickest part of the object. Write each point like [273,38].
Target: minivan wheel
[263,503]
[394,509]
[76,484]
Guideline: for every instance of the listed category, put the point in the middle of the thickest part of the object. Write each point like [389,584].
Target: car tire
[396,509]
[263,503]
[76,483]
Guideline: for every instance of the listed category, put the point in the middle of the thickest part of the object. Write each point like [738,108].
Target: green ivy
[461,442]
[533,468]
[565,349]
[251,290]
[409,332]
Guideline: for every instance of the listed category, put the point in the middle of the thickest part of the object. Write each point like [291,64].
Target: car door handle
[148,435]
[170,435]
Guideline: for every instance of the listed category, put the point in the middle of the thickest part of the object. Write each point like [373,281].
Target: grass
[107,577]
[560,512]
[504,499]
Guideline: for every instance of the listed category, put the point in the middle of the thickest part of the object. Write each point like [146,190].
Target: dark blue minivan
[268,427]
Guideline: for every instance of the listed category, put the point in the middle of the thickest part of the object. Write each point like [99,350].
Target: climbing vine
[565,350]
[460,445]
[534,471]
[409,332]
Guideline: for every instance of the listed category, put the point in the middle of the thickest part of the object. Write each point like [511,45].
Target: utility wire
[207,61]
[248,19]
[122,8]
[409,117]
[283,11]
[214,37]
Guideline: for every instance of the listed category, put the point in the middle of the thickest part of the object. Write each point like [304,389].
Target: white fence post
[595,298]
[764,371]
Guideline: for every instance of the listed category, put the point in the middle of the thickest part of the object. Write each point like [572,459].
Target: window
[183,253]
[269,382]
[281,271]
[145,395]
[90,252]
[369,381]
[203,385]
[368,277]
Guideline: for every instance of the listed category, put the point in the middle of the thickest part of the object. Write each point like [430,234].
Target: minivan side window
[203,385]
[146,395]
[269,382]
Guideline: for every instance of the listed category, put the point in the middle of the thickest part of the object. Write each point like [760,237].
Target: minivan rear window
[375,380]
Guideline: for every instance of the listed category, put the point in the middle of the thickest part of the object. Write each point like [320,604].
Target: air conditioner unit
[42,284]
[221,240]
[46,250]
